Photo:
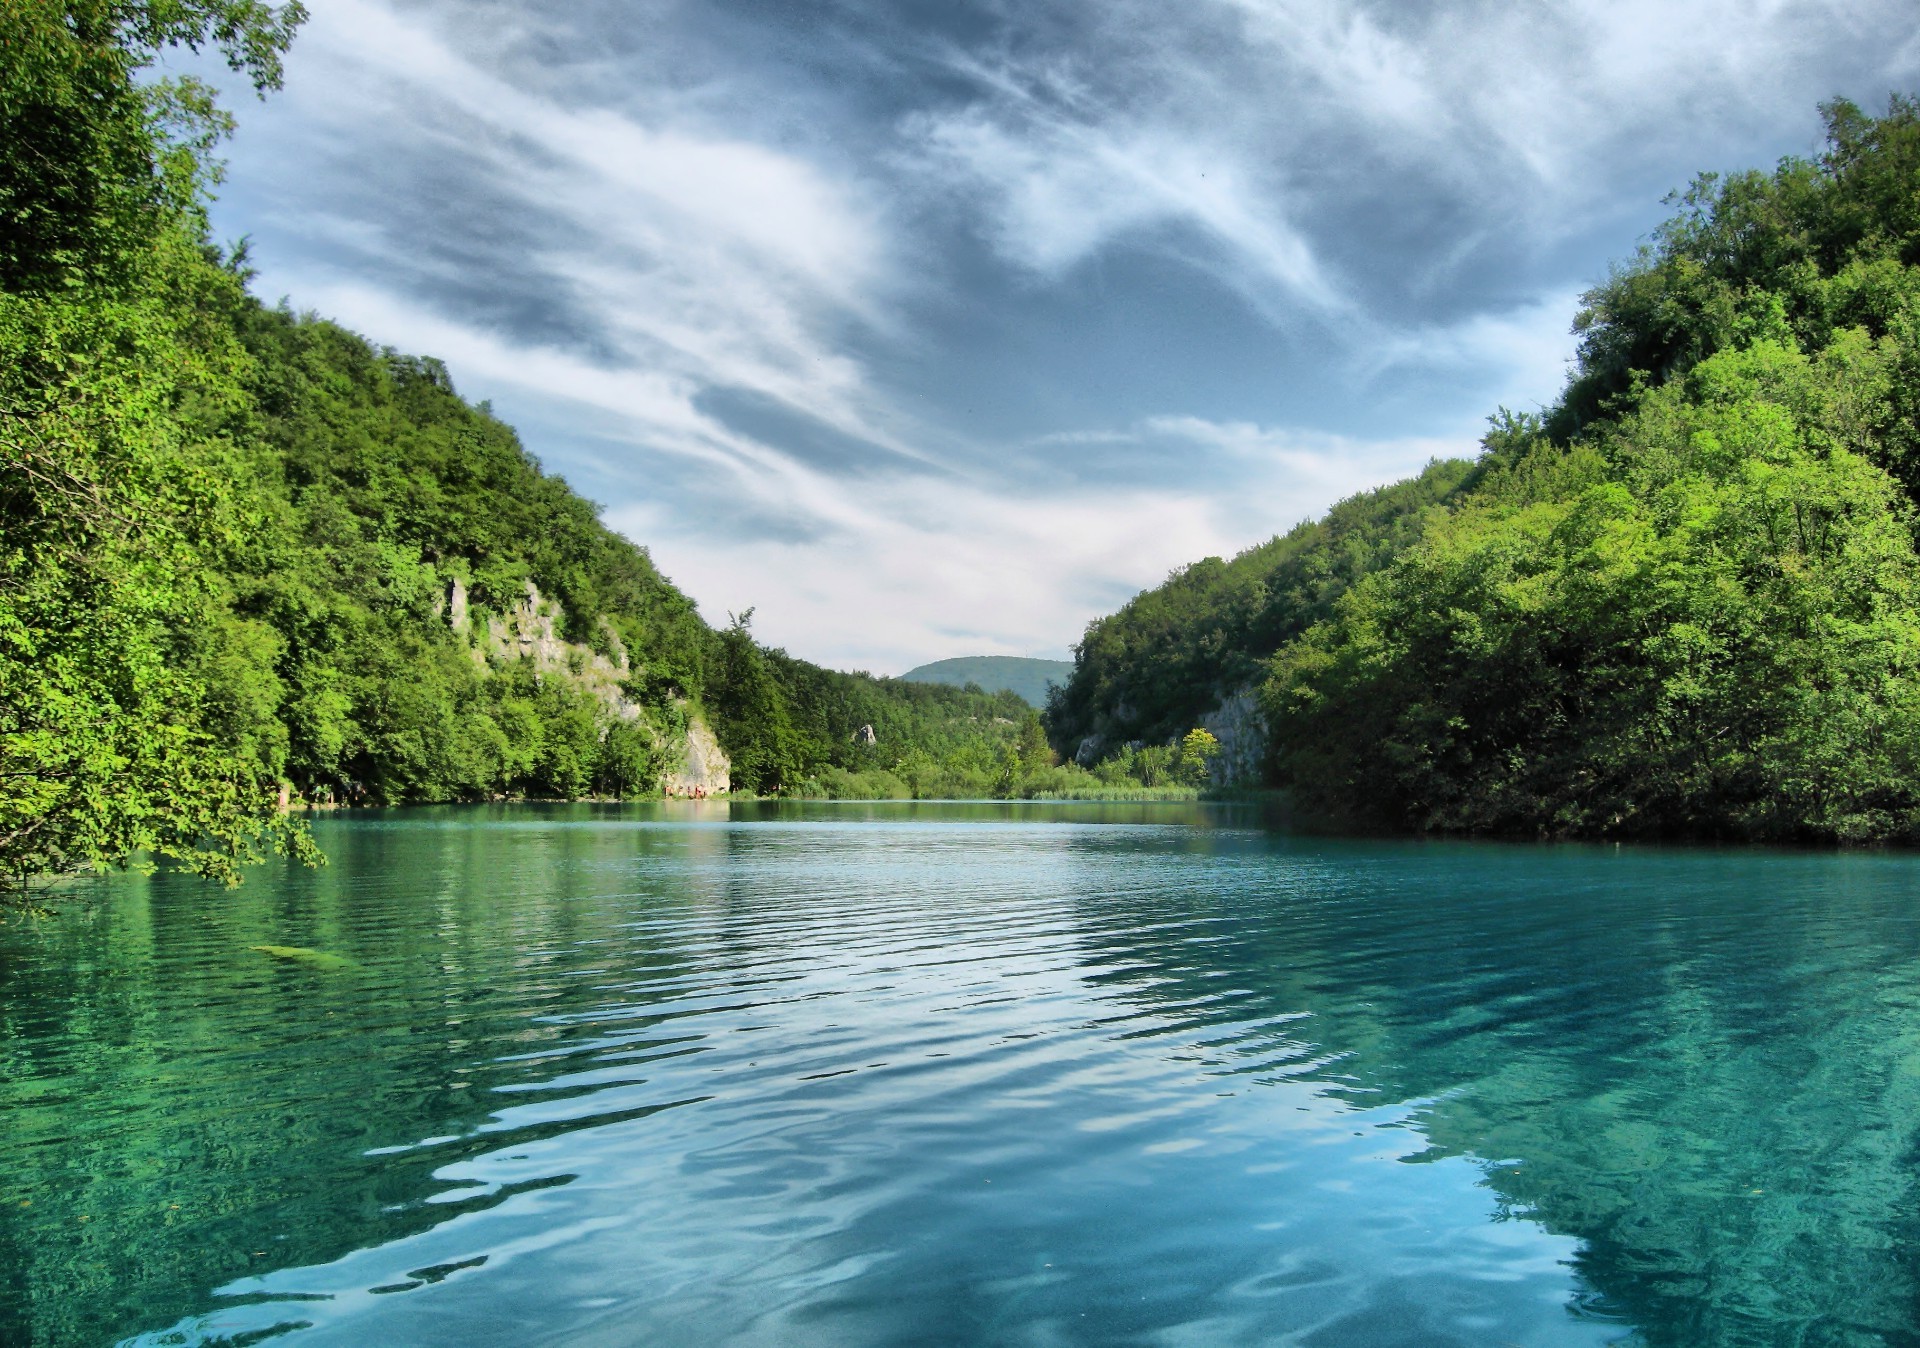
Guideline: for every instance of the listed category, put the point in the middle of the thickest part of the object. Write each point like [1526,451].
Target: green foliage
[839,784]
[1683,602]
[942,741]
[1149,671]
[1688,602]
[134,708]
[1797,255]
[96,164]
[129,702]
[750,714]
[391,488]
[1194,757]
[1078,785]
[1153,765]
[1713,628]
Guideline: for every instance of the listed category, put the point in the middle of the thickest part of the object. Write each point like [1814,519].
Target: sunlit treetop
[95,156]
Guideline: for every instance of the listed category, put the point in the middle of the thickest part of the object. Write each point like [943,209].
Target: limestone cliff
[530,630]
[704,769]
[1242,732]
[1236,722]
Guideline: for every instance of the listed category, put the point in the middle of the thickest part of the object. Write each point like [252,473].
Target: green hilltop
[1682,602]
[249,560]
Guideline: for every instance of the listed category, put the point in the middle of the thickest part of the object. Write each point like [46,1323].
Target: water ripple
[1040,1076]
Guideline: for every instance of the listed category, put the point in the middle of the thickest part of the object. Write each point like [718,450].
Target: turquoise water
[974,1074]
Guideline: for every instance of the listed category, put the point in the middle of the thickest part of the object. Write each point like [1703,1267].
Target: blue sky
[940,329]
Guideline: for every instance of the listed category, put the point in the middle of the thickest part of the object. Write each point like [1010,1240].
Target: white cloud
[1227,119]
[1522,355]
[1335,163]
[943,568]
[1063,189]
[712,261]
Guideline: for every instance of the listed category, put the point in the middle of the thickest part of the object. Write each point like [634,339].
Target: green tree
[95,163]
[1166,658]
[130,710]
[127,719]
[1035,755]
[1153,764]
[1194,759]
[750,712]
[1705,622]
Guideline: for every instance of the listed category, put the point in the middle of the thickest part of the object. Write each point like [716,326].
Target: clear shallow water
[1049,1075]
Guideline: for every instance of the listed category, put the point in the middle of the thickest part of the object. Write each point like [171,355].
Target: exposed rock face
[706,769]
[1242,732]
[865,735]
[1090,749]
[457,617]
[527,630]
[530,630]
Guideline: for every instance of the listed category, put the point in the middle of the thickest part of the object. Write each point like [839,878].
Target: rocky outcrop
[1242,732]
[531,631]
[705,769]
[457,617]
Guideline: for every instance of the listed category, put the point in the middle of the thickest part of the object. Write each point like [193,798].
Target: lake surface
[969,1074]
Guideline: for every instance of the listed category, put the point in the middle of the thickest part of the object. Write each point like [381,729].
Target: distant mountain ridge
[1024,677]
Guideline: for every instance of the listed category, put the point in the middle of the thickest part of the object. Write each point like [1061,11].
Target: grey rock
[1242,731]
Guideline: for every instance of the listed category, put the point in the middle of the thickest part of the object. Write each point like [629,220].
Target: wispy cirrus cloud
[1067,176]
[687,257]
[936,330]
[1311,143]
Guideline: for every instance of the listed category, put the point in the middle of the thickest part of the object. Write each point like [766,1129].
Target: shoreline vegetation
[248,558]
[1094,795]
[1681,603]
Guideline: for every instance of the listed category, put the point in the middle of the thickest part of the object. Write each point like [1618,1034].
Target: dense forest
[1150,671]
[1684,601]
[247,559]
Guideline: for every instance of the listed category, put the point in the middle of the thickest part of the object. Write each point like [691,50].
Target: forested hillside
[1150,671]
[1686,601]
[247,557]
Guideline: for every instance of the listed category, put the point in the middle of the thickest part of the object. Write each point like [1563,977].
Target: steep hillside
[1026,678]
[396,496]
[248,558]
[1178,655]
[1685,602]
